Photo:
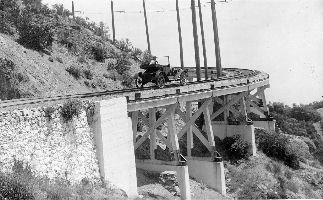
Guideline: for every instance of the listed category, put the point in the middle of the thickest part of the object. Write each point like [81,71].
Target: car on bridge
[160,75]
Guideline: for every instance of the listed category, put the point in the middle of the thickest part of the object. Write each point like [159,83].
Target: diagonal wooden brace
[152,127]
[229,104]
[192,120]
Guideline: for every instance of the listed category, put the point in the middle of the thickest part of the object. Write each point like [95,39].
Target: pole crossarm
[228,105]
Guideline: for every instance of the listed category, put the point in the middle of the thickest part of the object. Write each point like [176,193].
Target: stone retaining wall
[51,146]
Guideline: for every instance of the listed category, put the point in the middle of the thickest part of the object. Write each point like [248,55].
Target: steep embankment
[45,74]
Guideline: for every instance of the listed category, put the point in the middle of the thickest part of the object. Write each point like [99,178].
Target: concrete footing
[209,173]
[246,132]
[182,174]
[114,145]
[267,125]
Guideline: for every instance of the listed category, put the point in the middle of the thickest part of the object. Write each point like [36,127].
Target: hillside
[46,53]
[46,75]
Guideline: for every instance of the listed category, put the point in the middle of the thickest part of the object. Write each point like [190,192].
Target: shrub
[74,71]
[87,83]
[14,186]
[277,146]
[88,74]
[81,59]
[99,53]
[236,147]
[36,31]
[124,45]
[49,112]
[146,57]
[127,80]
[135,53]
[121,63]
[9,80]
[59,59]
[71,108]
[304,114]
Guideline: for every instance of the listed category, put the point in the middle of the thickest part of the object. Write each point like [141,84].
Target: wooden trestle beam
[244,99]
[152,127]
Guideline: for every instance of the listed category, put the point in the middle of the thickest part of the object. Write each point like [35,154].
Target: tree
[60,10]
[33,3]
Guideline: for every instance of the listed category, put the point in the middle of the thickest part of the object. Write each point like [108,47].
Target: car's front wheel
[160,81]
[138,82]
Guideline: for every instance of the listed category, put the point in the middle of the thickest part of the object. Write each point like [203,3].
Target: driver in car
[153,61]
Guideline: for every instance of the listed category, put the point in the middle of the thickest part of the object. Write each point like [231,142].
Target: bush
[121,63]
[124,45]
[36,31]
[236,147]
[74,71]
[88,74]
[71,108]
[127,80]
[9,80]
[277,146]
[49,112]
[59,59]
[99,52]
[14,186]
[146,57]
[304,114]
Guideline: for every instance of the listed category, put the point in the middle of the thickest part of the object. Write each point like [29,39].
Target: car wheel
[183,79]
[160,81]
[139,82]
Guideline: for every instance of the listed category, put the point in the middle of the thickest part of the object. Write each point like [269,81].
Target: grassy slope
[48,78]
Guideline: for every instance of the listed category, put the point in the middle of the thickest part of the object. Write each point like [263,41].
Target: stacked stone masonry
[51,146]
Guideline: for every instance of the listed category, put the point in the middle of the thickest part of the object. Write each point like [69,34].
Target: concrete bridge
[224,102]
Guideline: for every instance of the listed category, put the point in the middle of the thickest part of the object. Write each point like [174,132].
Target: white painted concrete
[114,144]
[245,131]
[209,173]
[267,125]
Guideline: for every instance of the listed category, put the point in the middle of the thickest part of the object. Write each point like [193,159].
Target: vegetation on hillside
[289,161]
[38,27]
[23,184]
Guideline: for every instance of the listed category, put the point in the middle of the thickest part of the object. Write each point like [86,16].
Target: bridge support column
[114,145]
[208,170]
[171,142]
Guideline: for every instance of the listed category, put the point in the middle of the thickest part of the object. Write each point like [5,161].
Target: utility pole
[216,40]
[73,11]
[196,44]
[146,24]
[113,28]
[180,35]
[203,39]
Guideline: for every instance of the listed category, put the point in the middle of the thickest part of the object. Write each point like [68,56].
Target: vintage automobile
[160,75]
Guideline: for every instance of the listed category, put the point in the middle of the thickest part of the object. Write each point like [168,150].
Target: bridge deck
[237,80]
